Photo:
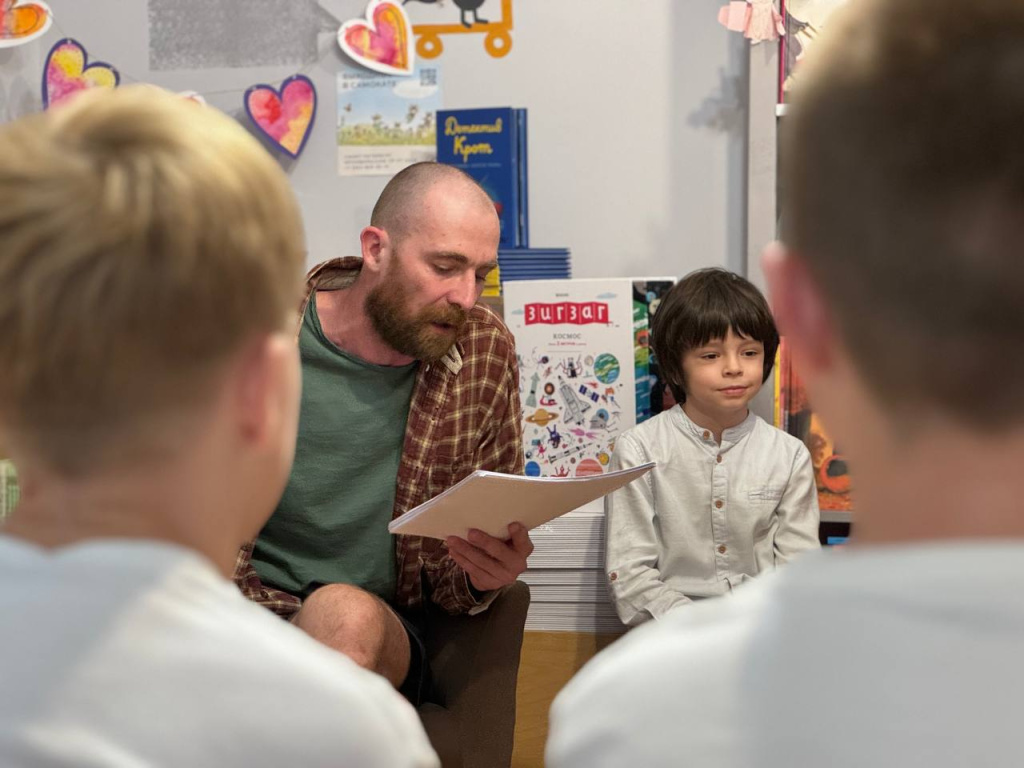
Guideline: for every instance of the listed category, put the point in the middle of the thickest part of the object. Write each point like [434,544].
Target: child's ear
[267,382]
[801,312]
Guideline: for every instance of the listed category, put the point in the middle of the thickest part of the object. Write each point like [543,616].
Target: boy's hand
[492,563]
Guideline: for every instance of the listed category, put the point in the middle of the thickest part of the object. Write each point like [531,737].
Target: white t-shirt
[138,653]
[887,656]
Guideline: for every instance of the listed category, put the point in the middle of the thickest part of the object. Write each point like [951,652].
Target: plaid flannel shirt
[464,416]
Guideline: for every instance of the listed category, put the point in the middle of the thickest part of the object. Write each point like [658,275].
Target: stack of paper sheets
[568,587]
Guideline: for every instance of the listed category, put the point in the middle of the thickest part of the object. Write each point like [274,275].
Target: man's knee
[340,614]
[358,624]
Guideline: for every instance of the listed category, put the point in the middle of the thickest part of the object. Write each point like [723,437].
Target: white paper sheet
[491,501]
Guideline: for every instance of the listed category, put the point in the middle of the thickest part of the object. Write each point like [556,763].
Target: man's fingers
[521,541]
[478,560]
[496,548]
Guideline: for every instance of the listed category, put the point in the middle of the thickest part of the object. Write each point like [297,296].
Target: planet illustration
[603,458]
[541,417]
[606,368]
[589,467]
[532,469]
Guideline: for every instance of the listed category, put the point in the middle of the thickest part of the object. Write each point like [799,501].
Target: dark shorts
[417,685]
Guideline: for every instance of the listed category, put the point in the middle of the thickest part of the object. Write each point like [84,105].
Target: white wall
[637,114]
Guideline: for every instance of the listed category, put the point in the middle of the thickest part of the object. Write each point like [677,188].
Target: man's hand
[492,563]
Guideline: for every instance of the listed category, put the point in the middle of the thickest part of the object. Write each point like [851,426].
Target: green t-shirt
[331,523]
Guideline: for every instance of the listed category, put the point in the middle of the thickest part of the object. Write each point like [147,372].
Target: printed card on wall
[574,340]
[386,122]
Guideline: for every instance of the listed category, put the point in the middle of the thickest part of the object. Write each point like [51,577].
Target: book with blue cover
[489,145]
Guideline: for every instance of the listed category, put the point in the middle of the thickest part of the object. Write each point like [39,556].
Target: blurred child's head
[145,241]
[903,186]
[707,307]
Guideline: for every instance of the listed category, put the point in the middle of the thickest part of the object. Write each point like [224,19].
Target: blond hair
[143,239]
[903,179]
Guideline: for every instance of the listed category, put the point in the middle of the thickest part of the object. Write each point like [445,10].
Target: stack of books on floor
[534,264]
[566,575]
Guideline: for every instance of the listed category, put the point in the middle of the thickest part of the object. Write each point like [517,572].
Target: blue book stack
[534,264]
[490,145]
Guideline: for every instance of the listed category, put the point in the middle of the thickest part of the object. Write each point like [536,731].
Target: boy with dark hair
[900,289]
[731,496]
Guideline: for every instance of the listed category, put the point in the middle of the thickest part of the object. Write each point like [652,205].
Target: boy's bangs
[724,312]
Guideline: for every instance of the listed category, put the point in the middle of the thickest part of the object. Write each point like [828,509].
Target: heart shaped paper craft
[284,116]
[382,42]
[67,72]
[22,21]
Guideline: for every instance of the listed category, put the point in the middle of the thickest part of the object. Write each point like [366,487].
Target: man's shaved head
[400,204]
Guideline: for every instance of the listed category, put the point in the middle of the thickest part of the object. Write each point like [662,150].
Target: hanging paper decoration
[68,71]
[21,22]
[756,19]
[497,32]
[285,115]
[382,41]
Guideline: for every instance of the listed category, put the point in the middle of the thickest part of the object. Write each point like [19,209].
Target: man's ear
[374,243]
[800,309]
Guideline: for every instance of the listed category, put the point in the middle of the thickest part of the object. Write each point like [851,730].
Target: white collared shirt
[709,516]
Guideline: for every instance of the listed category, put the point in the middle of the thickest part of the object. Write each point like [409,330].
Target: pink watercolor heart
[284,116]
[21,22]
[382,41]
[67,72]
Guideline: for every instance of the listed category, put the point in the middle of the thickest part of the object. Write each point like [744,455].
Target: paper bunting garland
[68,71]
[382,41]
[756,19]
[21,22]
[285,115]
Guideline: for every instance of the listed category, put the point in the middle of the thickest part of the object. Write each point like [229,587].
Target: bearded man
[408,386]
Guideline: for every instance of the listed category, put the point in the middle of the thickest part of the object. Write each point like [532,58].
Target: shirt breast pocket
[766,495]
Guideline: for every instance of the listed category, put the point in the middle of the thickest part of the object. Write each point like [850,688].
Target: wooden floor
[548,661]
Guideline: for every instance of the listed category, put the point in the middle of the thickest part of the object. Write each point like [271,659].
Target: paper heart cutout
[23,21]
[381,42]
[284,116]
[67,72]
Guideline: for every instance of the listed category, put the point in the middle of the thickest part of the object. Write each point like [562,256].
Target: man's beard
[410,334]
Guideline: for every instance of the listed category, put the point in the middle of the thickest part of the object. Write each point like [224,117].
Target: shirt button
[719,458]
[718,504]
[706,434]
[721,549]
[613,576]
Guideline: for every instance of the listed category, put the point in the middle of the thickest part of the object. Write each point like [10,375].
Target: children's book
[650,388]
[490,145]
[795,416]
[577,377]
[492,501]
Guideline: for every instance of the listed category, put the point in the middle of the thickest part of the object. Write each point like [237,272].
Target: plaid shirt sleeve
[248,581]
[464,416]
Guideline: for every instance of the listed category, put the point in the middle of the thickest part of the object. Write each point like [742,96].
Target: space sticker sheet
[575,345]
